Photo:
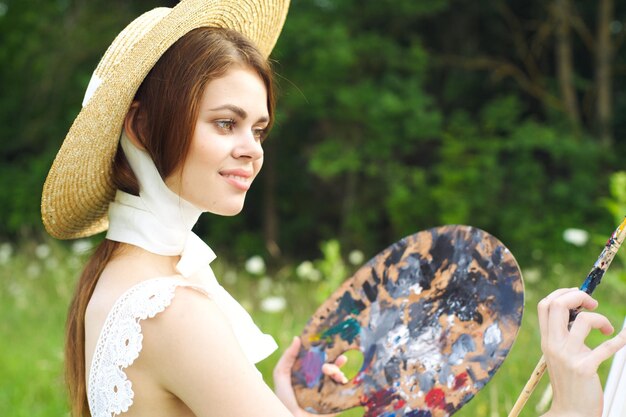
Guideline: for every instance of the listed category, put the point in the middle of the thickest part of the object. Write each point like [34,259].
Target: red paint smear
[435,398]
[377,402]
[399,404]
[460,380]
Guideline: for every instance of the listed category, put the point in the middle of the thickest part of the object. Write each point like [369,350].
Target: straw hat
[79,187]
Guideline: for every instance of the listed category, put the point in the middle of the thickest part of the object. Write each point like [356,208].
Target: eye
[259,133]
[226,125]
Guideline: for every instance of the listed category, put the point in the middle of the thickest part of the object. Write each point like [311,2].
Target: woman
[171,126]
[191,135]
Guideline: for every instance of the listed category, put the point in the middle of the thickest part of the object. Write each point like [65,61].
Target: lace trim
[110,392]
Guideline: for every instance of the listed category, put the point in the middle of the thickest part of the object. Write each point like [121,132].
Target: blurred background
[394,116]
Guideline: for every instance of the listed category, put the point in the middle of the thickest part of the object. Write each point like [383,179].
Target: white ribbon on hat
[160,221]
[93,85]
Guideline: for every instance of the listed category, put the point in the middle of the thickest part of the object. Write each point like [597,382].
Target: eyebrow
[238,111]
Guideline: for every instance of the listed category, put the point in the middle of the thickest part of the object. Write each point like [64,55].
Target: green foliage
[358,112]
[616,205]
[397,117]
[518,179]
[332,268]
[48,52]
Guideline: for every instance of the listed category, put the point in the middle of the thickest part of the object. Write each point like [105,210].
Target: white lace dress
[109,391]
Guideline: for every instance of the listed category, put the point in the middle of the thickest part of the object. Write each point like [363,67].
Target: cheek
[202,155]
[258,164]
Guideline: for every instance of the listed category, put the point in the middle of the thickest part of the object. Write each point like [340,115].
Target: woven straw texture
[79,188]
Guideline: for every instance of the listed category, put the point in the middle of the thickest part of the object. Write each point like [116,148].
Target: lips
[238,178]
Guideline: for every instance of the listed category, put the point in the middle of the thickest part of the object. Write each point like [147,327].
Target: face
[225,154]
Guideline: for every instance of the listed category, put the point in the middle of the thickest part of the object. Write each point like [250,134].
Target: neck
[157,221]
[164,263]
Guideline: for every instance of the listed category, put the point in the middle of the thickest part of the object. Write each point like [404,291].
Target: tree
[604,72]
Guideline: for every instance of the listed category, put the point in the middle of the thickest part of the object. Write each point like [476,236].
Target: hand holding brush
[591,282]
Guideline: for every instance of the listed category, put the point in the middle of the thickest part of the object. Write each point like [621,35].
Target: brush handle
[605,258]
[602,264]
[530,386]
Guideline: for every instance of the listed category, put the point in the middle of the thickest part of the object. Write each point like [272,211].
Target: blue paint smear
[348,305]
[312,365]
[348,330]
[418,413]
[408,275]
[463,345]
[368,356]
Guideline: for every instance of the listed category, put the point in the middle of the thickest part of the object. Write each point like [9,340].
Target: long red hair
[164,122]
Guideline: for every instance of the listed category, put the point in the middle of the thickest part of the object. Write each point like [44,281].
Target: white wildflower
[42,251]
[315,275]
[531,275]
[255,265]
[265,285]
[558,269]
[306,270]
[576,237]
[52,263]
[81,246]
[73,262]
[16,289]
[303,270]
[33,270]
[273,304]
[356,257]
[6,250]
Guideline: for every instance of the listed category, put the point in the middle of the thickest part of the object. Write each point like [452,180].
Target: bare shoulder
[190,351]
[127,269]
[191,327]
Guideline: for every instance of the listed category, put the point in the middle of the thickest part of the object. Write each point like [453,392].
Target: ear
[132,123]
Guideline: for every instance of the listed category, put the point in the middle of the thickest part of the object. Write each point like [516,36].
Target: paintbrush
[591,282]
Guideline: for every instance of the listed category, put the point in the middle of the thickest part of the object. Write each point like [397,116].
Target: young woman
[172,126]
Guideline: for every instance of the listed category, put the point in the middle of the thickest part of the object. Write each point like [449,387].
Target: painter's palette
[435,314]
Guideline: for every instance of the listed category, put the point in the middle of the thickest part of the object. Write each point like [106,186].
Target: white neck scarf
[159,220]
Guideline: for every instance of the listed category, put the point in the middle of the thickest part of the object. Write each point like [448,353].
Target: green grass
[36,284]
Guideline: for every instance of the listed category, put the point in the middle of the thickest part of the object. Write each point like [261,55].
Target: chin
[227,211]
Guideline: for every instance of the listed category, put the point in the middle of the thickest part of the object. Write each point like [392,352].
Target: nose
[248,147]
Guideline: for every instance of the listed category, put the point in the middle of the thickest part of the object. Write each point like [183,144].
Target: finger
[341,360]
[558,292]
[606,349]
[558,314]
[543,308]
[334,372]
[286,361]
[584,322]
